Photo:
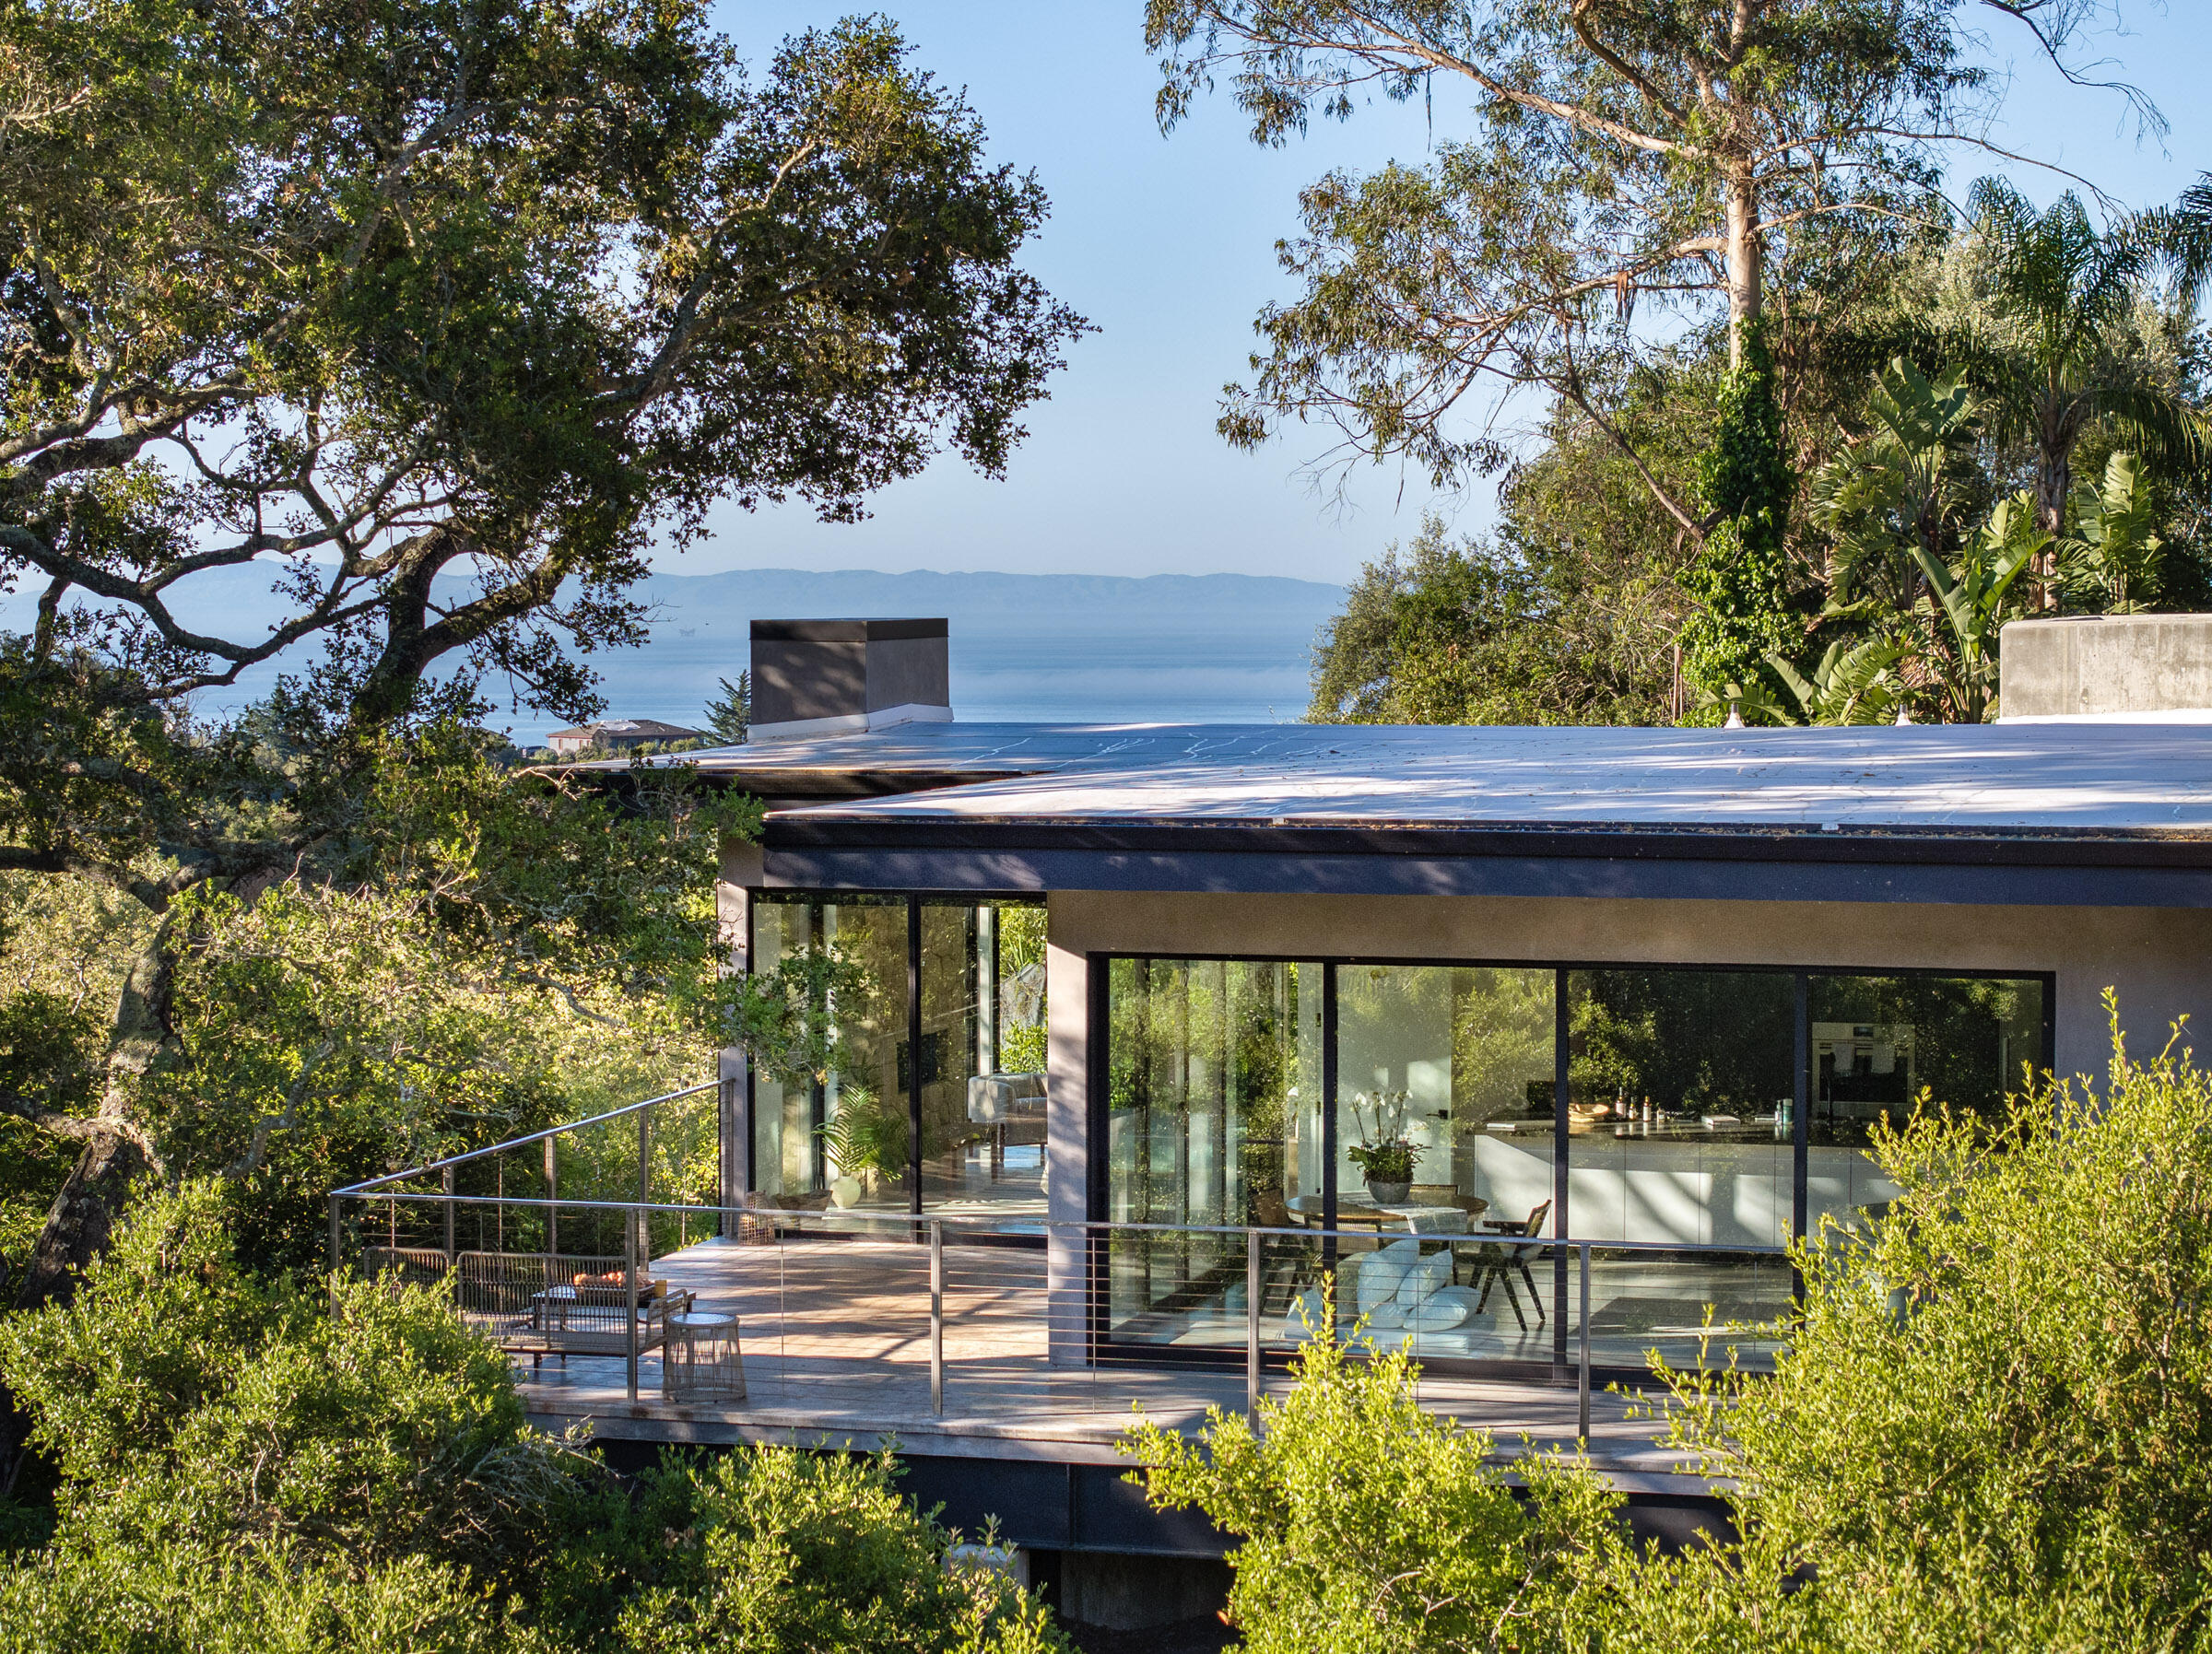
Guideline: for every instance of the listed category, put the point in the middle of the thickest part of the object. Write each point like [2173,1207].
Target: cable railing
[876,1319]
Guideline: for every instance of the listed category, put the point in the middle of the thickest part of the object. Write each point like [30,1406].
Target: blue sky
[1168,244]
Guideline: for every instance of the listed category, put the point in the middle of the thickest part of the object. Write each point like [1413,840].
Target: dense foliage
[247,1465]
[1989,1429]
[394,337]
[1878,498]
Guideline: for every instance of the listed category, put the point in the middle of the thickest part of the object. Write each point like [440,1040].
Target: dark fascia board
[2054,867]
[847,631]
[787,789]
[2039,847]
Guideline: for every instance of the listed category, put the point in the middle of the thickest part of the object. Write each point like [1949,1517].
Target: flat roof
[2128,780]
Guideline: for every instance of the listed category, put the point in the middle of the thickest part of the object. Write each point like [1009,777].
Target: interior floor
[1691,1311]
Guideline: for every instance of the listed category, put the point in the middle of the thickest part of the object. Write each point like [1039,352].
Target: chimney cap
[854,630]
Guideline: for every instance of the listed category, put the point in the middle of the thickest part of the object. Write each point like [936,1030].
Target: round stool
[701,1361]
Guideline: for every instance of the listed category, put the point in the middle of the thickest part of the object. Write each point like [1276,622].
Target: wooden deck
[835,1334]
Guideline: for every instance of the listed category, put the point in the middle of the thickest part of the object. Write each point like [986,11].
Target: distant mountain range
[1084,648]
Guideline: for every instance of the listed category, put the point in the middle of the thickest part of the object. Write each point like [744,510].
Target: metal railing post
[629,1295]
[334,1254]
[645,1178]
[1251,1321]
[936,1316]
[1582,1379]
[449,1216]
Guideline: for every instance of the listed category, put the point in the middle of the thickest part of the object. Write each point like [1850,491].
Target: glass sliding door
[1457,1060]
[1879,1044]
[1681,1086]
[841,967]
[982,1057]
[1212,1118]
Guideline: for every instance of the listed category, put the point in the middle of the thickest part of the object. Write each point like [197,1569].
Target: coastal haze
[1053,648]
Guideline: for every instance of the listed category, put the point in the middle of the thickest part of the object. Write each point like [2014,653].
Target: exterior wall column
[1067,1148]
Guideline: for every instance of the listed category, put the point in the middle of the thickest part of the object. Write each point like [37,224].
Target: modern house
[620,734]
[1116,1010]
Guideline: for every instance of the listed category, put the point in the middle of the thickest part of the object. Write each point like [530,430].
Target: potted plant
[861,1140]
[1389,1169]
[1387,1155]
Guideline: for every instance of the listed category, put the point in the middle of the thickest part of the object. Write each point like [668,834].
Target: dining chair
[1496,1266]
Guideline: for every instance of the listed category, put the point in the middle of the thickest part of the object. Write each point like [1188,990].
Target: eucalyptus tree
[1617,152]
[427,320]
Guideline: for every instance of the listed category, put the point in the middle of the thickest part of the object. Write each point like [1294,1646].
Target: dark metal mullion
[914,1053]
[1328,1113]
[1561,1138]
[1801,1129]
[1097,1170]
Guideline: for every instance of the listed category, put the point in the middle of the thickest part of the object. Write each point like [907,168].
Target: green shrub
[771,1549]
[1992,1430]
[191,1406]
[180,1602]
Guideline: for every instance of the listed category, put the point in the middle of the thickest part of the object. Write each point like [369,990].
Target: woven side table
[701,1360]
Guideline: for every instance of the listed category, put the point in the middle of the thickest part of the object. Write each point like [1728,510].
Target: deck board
[835,1334]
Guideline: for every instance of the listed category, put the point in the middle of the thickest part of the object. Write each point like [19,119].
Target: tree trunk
[2053,486]
[1745,259]
[92,1199]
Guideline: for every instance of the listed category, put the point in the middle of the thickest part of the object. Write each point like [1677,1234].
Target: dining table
[1415,1220]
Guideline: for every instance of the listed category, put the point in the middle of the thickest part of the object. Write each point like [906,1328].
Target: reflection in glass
[1212,1118]
[1459,1061]
[843,1136]
[1880,1043]
[865,1028]
[982,1057]
[1681,1086]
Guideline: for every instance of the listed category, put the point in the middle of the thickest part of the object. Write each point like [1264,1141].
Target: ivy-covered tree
[1740,577]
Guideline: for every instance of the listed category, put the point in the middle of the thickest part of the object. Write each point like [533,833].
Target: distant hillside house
[620,735]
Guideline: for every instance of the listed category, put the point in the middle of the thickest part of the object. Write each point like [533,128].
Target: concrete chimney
[841,678]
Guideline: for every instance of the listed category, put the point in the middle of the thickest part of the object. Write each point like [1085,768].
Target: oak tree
[432,319]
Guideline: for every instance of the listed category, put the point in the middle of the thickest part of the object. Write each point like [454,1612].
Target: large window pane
[1212,1118]
[982,1057]
[1680,1090]
[1879,1044]
[1680,1085]
[863,1023]
[1459,1061]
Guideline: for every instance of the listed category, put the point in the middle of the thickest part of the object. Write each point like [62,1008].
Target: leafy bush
[1367,1523]
[194,1410]
[770,1549]
[180,1601]
[245,1465]
[1992,1430]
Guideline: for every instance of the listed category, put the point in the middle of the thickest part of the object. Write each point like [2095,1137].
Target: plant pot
[1388,1194]
[844,1192]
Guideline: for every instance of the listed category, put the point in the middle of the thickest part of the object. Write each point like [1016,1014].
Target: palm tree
[2062,293]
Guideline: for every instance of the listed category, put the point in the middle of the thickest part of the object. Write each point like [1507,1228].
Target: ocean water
[1093,675]
[1089,648]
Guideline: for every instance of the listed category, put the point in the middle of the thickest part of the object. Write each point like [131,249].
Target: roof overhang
[817,849]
